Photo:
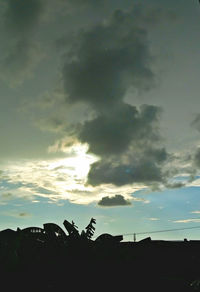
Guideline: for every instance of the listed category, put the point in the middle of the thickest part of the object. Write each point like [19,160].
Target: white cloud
[61,179]
[187,220]
[195,212]
[153,219]
[195,183]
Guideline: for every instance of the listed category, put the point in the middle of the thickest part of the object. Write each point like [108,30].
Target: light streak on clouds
[59,179]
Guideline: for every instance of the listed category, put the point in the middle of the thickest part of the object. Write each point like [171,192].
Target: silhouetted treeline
[50,257]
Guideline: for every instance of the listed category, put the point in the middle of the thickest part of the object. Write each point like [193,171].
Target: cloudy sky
[100,115]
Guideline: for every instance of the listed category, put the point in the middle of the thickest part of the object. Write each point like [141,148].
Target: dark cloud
[128,145]
[175,185]
[197,158]
[193,165]
[106,60]
[23,214]
[112,132]
[20,60]
[21,16]
[104,63]
[22,52]
[158,155]
[86,2]
[144,170]
[117,200]
[196,122]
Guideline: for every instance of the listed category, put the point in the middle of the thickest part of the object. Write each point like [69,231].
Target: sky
[100,115]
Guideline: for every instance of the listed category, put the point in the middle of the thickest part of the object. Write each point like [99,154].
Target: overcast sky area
[100,115]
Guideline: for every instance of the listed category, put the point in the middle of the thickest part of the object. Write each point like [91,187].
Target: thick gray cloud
[21,52]
[117,200]
[22,16]
[193,162]
[197,158]
[20,61]
[129,146]
[143,170]
[106,60]
[113,131]
[86,2]
[176,185]
[196,122]
[104,63]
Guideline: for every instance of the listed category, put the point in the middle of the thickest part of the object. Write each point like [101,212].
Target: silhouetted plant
[89,229]
[72,229]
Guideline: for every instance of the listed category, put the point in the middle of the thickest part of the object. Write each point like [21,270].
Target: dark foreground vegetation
[48,259]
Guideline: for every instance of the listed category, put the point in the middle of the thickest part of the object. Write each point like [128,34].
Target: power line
[158,231]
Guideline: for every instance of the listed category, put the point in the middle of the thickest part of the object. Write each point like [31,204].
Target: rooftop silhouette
[53,255]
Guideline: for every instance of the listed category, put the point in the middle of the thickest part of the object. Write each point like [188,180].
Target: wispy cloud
[60,179]
[194,220]
[154,219]
[6,196]
[16,214]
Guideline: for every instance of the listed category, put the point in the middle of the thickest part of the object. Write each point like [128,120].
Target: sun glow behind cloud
[59,179]
[77,166]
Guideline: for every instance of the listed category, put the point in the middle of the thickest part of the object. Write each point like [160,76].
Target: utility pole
[134,237]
